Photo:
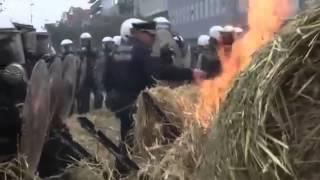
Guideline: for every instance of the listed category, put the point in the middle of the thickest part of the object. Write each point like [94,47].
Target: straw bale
[268,128]
[167,137]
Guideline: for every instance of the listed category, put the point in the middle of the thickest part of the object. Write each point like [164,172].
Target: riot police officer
[29,41]
[108,44]
[108,47]
[165,46]
[131,70]
[66,47]
[88,56]
[117,41]
[206,60]
[238,32]
[227,39]
[12,88]
[44,47]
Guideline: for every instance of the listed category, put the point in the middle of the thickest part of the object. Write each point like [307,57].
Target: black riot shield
[82,72]
[55,80]
[69,82]
[36,116]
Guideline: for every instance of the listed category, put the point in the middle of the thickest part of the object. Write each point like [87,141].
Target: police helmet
[66,42]
[14,73]
[126,26]
[11,46]
[117,40]
[161,20]
[85,35]
[107,39]
[215,32]
[228,28]
[238,30]
[162,23]
[203,40]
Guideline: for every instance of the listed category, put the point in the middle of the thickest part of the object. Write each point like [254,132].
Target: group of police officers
[126,65]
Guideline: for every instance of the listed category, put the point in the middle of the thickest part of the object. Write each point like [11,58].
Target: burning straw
[167,137]
[268,127]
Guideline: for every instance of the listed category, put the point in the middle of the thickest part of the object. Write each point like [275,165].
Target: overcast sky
[43,10]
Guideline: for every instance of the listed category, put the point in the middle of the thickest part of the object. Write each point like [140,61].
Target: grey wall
[147,8]
[192,18]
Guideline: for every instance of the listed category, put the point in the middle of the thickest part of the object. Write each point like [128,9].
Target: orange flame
[265,17]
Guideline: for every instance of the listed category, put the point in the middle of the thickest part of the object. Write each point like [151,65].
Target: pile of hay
[269,126]
[167,138]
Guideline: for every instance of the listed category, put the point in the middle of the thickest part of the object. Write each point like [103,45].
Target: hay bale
[268,127]
[166,137]
[162,113]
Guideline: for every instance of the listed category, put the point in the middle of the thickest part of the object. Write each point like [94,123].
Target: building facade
[126,7]
[150,8]
[104,7]
[192,18]
[76,16]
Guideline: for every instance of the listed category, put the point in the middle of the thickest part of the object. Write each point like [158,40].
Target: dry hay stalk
[163,114]
[268,127]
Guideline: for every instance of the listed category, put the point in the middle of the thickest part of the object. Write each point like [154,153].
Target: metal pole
[31,13]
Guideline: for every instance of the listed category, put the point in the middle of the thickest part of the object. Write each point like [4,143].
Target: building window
[206,8]
[202,13]
[180,16]
[212,7]
[190,13]
[243,5]
[196,11]
[183,17]
[177,16]
[173,17]
[218,7]
[200,10]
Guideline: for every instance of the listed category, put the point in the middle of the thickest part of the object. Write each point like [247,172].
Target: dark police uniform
[12,93]
[10,129]
[89,85]
[104,57]
[131,70]
[209,62]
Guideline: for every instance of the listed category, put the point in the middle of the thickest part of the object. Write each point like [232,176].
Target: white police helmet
[163,20]
[85,36]
[126,26]
[215,32]
[203,40]
[117,40]
[66,42]
[107,39]
[162,23]
[228,28]
[238,30]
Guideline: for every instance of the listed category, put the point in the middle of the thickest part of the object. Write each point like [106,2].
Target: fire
[265,17]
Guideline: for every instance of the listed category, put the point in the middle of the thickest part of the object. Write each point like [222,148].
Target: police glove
[166,52]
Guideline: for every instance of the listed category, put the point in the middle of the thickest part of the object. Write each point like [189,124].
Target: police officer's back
[88,56]
[66,48]
[207,60]
[12,88]
[131,70]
